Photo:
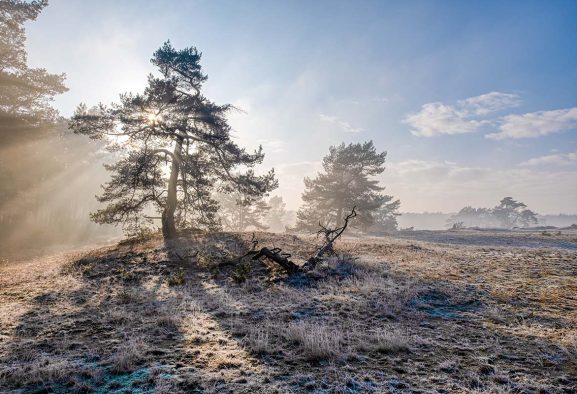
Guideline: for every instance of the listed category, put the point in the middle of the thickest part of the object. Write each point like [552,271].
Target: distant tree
[25,93]
[385,218]
[347,181]
[513,213]
[472,217]
[508,214]
[528,218]
[238,213]
[28,123]
[175,146]
[457,226]
[277,216]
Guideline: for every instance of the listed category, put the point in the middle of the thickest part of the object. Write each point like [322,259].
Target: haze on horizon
[472,102]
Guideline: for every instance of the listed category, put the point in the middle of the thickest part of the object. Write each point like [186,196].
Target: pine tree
[176,147]
[237,213]
[513,213]
[508,214]
[347,181]
[385,218]
[473,217]
[28,123]
[277,216]
[25,93]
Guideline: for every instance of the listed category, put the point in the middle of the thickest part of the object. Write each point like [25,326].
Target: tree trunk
[168,223]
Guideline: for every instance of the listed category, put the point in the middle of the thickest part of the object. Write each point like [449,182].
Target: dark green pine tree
[176,148]
[347,181]
[25,93]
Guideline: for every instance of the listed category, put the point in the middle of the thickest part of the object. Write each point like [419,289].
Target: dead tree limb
[278,257]
[332,235]
[276,254]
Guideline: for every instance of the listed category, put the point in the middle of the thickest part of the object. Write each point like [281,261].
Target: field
[463,312]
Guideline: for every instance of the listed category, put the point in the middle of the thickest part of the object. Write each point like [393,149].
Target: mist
[466,146]
[49,181]
[288,196]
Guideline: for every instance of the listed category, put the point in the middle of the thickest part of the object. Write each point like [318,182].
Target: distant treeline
[439,220]
[560,220]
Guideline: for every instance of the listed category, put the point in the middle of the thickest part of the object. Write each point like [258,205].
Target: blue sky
[472,100]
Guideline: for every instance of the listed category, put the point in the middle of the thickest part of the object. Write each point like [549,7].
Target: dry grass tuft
[127,296]
[38,371]
[241,273]
[341,266]
[569,347]
[259,340]
[168,324]
[385,341]
[80,267]
[128,356]
[449,365]
[317,341]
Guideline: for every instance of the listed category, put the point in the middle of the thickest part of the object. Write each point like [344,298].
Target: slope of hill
[403,316]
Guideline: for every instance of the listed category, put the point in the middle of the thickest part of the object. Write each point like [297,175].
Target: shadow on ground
[148,317]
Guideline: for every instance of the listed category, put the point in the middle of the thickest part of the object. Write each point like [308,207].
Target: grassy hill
[385,315]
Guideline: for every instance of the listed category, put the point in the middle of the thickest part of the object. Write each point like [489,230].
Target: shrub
[176,279]
[240,274]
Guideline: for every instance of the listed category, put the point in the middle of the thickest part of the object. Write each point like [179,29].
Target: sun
[153,118]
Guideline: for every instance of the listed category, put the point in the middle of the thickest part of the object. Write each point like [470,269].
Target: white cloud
[558,159]
[345,126]
[438,118]
[444,186]
[535,124]
[466,116]
[489,103]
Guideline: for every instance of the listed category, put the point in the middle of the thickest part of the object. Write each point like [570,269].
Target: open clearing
[556,239]
[402,316]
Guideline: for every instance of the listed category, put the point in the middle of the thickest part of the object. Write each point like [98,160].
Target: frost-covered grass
[385,315]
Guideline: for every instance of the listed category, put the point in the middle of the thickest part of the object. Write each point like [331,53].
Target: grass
[128,356]
[385,340]
[316,341]
[259,340]
[379,322]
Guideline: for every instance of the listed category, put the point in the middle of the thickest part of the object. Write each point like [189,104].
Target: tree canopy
[277,216]
[238,213]
[508,214]
[346,181]
[175,148]
[29,126]
[513,213]
[385,217]
[25,93]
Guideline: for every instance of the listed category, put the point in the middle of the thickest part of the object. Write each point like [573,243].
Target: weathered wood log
[279,258]
[282,259]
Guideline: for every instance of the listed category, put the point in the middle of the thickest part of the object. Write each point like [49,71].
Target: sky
[473,101]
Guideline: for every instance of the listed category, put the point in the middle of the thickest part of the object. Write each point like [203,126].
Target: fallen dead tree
[277,256]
